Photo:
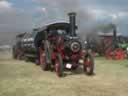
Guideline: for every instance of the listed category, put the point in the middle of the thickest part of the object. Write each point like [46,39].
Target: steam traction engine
[57,47]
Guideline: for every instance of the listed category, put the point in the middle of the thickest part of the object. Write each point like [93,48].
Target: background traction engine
[61,49]
[116,50]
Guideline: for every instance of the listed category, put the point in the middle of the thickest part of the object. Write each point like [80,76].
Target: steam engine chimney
[114,36]
[72,21]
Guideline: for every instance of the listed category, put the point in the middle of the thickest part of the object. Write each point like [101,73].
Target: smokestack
[114,36]
[72,21]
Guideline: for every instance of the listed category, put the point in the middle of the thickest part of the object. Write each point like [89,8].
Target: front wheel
[59,65]
[88,64]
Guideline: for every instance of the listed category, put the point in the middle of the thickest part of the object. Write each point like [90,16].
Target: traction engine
[56,47]
[62,49]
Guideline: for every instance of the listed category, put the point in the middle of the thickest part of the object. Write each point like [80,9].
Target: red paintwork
[87,65]
[87,62]
[117,54]
[57,67]
[42,58]
[108,53]
[120,54]
[58,45]
[53,55]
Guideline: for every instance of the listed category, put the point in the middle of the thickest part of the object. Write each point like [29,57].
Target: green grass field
[20,78]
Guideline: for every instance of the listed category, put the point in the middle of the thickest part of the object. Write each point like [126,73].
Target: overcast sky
[23,15]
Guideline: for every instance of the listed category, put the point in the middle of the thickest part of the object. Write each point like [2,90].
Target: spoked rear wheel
[43,62]
[88,64]
[59,65]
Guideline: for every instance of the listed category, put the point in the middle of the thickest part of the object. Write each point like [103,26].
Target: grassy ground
[19,78]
